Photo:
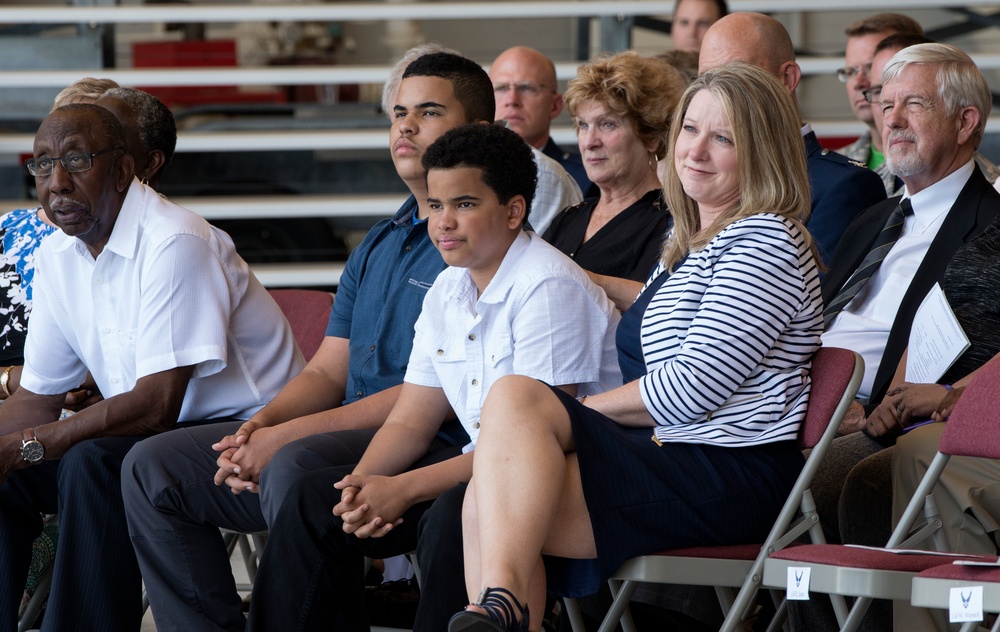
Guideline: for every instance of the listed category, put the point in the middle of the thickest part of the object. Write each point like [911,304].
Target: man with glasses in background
[857,76]
[527,95]
[175,329]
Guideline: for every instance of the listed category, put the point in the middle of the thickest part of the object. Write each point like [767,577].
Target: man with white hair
[934,104]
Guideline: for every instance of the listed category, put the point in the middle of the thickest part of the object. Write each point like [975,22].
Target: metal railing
[613,15]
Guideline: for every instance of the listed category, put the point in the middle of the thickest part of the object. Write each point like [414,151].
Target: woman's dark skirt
[643,497]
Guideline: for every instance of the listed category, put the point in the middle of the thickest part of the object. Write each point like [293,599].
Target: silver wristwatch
[31,448]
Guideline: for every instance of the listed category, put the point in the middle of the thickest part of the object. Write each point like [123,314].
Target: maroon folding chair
[835,376]
[867,574]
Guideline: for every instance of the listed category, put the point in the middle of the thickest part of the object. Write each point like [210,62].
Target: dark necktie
[883,243]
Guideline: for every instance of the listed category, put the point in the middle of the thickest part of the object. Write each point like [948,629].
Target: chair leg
[780,619]
[249,561]
[857,613]
[572,610]
[622,593]
[412,557]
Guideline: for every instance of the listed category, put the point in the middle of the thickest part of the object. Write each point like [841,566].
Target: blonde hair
[769,149]
[86,90]
[641,90]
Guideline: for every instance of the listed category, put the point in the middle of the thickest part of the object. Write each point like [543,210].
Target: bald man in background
[840,188]
[528,98]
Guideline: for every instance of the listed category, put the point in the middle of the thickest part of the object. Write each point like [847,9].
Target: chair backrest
[971,430]
[308,312]
[832,372]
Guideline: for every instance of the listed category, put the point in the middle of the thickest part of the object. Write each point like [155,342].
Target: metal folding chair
[867,574]
[835,375]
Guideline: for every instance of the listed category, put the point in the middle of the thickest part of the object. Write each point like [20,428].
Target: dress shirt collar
[502,282]
[125,235]
[932,202]
[806,129]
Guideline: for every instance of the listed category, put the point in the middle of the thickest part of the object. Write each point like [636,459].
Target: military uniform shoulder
[834,157]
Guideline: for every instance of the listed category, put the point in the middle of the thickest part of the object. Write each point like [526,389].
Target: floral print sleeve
[21,232]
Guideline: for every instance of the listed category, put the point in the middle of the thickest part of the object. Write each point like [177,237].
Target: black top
[626,247]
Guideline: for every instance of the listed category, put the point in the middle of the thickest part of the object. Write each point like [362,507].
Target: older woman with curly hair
[621,107]
[698,447]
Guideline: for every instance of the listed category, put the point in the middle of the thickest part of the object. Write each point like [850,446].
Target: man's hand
[947,404]
[916,402]
[884,421]
[902,406]
[80,398]
[253,455]
[371,505]
[230,473]
[853,421]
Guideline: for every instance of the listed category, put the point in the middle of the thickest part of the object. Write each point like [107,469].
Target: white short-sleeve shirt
[168,290]
[540,316]
[555,192]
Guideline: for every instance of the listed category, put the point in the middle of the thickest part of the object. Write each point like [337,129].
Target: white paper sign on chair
[965,603]
[798,583]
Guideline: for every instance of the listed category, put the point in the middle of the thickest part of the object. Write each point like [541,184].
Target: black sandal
[499,615]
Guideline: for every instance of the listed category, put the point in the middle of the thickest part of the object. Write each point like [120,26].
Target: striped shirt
[728,339]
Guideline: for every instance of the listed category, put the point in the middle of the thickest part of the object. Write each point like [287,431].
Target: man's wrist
[5,385]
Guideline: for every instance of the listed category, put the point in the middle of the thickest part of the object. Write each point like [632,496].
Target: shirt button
[476,425]
[107,330]
[475,382]
[409,247]
[472,336]
[440,351]
[114,380]
[100,281]
[360,394]
[371,348]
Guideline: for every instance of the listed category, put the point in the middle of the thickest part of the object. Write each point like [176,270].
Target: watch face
[33,451]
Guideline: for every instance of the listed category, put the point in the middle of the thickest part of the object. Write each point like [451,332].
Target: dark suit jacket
[973,210]
[840,189]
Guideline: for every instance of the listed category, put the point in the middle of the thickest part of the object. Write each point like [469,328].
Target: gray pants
[175,510]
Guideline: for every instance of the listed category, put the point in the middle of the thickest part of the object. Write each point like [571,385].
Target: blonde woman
[720,354]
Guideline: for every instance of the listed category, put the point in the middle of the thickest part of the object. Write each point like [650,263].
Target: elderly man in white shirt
[173,326]
[891,256]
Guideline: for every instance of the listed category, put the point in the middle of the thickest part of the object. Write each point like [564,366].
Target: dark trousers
[96,584]
[175,511]
[311,575]
[441,561]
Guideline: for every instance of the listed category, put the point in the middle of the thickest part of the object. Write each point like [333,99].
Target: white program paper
[936,339]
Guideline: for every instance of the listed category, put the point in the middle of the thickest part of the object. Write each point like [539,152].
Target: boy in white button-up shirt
[509,303]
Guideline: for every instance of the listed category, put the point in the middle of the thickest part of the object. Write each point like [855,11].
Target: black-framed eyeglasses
[526,88]
[848,73]
[872,94]
[72,163]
